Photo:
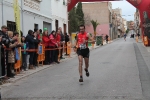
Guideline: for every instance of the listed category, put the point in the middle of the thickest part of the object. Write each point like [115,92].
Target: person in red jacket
[45,41]
[58,41]
[53,44]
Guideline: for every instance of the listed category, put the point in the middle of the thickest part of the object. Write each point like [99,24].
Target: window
[64,26]
[36,26]
[11,26]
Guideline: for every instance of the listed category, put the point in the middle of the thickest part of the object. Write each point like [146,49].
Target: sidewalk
[40,68]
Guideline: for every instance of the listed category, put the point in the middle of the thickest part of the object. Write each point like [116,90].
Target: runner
[125,37]
[83,50]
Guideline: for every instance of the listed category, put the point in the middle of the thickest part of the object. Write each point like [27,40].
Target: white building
[35,14]
[125,24]
[60,15]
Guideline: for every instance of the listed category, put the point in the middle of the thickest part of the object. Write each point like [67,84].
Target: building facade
[114,25]
[37,14]
[125,24]
[119,21]
[33,14]
[137,22]
[100,11]
[59,15]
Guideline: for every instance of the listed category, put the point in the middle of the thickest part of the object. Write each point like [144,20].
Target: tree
[73,21]
[95,24]
[80,14]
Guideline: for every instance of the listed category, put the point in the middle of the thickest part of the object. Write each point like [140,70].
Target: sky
[127,9]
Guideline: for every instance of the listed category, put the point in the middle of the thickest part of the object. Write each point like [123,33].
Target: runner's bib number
[82,46]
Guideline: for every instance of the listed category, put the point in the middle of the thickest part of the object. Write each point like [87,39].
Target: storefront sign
[32,4]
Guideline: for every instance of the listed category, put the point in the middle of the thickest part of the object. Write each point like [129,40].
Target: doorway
[48,26]
[36,26]
[65,28]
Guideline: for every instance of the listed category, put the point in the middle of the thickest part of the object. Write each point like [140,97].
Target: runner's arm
[76,41]
[91,38]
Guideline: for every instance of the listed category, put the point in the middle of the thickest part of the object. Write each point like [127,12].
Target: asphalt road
[117,72]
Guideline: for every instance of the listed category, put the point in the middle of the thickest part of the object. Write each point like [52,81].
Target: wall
[99,11]
[101,29]
[41,12]
[7,7]
[28,16]
[42,8]
[60,13]
[30,20]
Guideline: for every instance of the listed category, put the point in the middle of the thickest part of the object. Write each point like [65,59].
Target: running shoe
[81,80]
[87,72]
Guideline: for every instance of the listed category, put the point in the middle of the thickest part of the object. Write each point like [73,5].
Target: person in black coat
[37,41]
[31,40]
[106,38]
[66,40]
[62,43]
[5,41]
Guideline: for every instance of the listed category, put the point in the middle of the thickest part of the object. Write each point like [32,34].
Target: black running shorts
[85,53]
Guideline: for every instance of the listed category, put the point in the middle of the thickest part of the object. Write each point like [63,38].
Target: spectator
[66,40]
[58,40]
[12,53]
[62,41]
[5,43]
[53,44]
[24,53]
[37,41]
[133,35]
[138,35]
[11,56]
[31,41]
[0,41]
[106,38]
[40,35]
[46,41]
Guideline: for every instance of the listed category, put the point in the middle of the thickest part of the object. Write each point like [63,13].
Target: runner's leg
[80,64]
[86,60]
[86,66]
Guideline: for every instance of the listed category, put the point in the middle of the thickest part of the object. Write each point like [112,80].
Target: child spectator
[24,53]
